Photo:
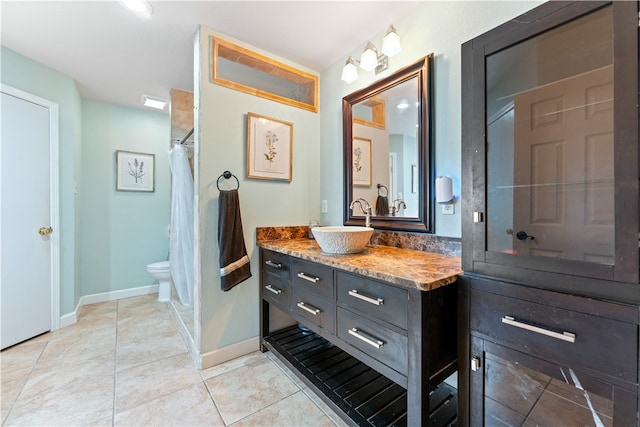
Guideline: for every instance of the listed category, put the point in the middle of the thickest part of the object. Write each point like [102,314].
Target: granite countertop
[424,271]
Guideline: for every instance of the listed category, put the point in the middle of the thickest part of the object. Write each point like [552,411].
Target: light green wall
[122,231]
[32,77]
[107,237]
[433,27]
[230,317]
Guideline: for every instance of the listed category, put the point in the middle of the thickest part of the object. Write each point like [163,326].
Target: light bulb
[369,57]
[391,42]
[349,71]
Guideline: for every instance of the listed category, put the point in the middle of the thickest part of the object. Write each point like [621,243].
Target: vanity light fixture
[391,42]
[371,59]
[153,102]
[140,7]
[350,70]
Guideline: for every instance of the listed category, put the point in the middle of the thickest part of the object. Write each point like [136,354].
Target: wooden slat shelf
[359,392]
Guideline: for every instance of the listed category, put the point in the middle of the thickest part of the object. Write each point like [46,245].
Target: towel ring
[226,175]
[380,186]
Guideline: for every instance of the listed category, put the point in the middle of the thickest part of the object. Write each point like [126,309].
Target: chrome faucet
[396,205]
[366,210]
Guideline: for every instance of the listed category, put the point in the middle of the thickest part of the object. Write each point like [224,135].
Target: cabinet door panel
[514,388]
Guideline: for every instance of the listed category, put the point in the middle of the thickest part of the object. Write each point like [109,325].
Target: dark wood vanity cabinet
[550,298]
[375,350]
[538,357]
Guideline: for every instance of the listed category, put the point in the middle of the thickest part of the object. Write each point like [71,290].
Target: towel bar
[226,175]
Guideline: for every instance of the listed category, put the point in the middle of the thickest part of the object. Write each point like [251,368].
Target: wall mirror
[388,150]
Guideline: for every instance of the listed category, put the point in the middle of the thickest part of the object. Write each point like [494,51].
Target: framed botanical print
[135,171]
[269,148]
[361,161]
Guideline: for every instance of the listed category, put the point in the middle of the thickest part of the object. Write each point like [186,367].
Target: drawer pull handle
[309,308]
[274,290]
[366,338]
[308,278]
[564,336]
[273,264]
[370,300]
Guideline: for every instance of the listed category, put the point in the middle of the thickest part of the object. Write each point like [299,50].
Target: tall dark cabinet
[550,297]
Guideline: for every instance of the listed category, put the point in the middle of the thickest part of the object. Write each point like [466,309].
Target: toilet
[160,272]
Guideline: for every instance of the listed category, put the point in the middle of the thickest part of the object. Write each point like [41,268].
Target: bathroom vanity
[376,333]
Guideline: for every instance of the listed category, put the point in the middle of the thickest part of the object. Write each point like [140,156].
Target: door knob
[43,231]
[522,235]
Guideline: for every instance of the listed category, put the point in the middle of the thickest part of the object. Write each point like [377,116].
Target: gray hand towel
[382,206]
[234,262]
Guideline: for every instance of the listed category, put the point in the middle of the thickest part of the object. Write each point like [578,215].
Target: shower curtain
[181,239]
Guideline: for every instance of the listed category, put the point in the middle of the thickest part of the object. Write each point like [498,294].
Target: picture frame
[361,156]
[135,171]
[269,148]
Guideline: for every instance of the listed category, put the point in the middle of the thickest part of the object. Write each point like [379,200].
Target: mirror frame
[424,222]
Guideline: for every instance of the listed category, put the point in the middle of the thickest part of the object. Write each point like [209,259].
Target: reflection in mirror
[387,150]
[394,149]
[545,201]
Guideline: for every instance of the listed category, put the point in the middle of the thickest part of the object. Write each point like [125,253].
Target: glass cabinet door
[520,390]
[550,166]
[548,122]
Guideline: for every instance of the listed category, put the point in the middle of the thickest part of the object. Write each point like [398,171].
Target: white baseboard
[229,352]
[71,318]
[184,332]
[116,295]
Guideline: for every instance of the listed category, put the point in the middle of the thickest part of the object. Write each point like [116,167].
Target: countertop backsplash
[403,240]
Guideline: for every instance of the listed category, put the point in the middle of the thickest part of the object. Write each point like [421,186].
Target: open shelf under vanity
[367,397]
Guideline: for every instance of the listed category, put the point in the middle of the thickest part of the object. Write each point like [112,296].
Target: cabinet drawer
[277,264]
[376,299]
[315,308]
[313,277]
[546,330]
[275,289]
[379,342]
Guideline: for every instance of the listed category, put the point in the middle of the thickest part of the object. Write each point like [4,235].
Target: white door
[27,269]
[564,174]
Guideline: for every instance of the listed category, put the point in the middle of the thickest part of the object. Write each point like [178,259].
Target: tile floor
[124,363]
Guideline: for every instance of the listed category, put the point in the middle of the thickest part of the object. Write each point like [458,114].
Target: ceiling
[115,56]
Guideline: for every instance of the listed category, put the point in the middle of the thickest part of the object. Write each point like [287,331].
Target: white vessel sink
[342,239]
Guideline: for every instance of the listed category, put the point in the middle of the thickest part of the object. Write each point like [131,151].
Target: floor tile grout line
[265,407]
[116,372]
[33,367]
[115,368]
[215,405]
